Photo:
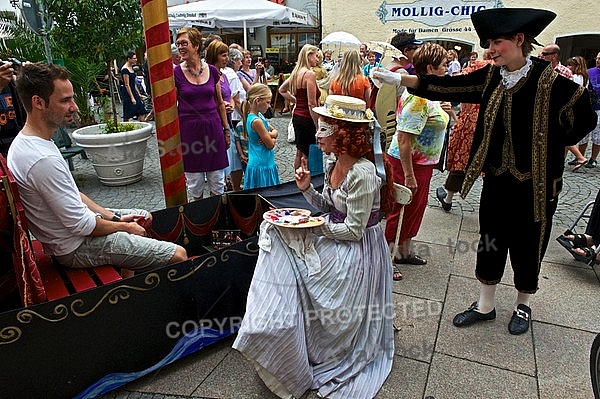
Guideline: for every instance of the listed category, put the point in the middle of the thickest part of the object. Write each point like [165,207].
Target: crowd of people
[310,321]
[216,114]
[514,100]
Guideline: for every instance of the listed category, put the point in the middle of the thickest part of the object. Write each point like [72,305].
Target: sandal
[588,257]
[578,165]
[411,259]
[397,274]
[589,254]
[579,240]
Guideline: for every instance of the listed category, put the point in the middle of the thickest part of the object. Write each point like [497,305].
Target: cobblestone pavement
[579,188]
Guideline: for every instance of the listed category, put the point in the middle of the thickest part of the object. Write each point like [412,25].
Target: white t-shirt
[453,67]
[236,87]
[55,212]
[577,79]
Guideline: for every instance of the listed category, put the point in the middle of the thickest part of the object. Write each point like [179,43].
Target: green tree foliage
[22,43]
[97,30]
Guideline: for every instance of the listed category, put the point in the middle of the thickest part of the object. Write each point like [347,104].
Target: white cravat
[510,79]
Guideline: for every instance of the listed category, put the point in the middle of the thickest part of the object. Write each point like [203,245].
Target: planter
[118,158]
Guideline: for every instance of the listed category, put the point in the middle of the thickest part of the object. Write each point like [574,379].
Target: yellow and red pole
[164,97]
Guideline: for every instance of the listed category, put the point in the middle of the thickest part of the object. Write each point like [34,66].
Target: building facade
[576,28]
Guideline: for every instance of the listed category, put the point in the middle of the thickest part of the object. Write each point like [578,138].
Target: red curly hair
[354,139]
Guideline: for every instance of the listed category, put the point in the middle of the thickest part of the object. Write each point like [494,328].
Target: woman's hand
[228,107]
[411,182]
[303,175]
[446,106]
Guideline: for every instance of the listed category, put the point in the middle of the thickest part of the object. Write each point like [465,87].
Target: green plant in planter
[110,126]
[105,115]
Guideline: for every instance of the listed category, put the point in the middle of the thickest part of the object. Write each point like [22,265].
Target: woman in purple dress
[202,118]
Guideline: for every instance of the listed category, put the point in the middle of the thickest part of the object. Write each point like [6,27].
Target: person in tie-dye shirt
[414,151]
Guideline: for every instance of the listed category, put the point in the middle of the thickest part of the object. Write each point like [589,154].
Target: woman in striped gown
[319,312]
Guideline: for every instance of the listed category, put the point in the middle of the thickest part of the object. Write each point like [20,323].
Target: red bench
[37,276]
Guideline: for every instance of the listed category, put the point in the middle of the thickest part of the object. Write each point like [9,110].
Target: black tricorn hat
[497,22]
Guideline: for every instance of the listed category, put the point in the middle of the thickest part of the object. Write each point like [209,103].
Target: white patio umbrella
[341,38]
[235,14]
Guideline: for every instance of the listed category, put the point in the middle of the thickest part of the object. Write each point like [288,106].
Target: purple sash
[336,216]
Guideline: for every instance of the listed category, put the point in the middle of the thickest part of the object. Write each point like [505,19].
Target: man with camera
[12,114]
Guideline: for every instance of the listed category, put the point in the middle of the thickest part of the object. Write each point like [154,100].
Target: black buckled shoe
[440,193]
[520,320]
[471,316]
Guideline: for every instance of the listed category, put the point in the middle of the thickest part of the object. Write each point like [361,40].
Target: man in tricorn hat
[528,115]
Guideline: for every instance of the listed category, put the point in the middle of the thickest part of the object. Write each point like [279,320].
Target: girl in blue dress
[261,170]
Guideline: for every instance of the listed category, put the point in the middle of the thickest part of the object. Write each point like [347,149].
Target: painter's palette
[293,218]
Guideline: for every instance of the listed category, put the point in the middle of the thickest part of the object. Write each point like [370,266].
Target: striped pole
[164,98]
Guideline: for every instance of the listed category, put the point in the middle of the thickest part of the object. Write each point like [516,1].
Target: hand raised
[302,175]
[387,76]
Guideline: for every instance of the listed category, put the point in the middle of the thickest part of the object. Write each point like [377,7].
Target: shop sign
[272,54]
[433,12]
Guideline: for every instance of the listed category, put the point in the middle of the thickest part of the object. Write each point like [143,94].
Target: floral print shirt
[426,121]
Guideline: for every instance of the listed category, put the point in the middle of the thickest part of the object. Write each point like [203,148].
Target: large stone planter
[118,158]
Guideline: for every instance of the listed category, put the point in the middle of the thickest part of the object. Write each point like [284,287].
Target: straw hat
[345,108]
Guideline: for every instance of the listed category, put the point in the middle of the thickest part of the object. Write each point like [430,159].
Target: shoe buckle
[523,314]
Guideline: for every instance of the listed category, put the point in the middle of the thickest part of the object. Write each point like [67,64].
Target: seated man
[75,230]
[584,247]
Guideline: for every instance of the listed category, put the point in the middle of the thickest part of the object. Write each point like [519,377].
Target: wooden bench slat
[53,281]
[80,278]
[107,274]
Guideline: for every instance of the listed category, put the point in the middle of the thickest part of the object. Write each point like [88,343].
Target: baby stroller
[589,221]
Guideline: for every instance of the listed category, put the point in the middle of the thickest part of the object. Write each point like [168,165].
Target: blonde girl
[351,81]
[261,170]
[301,88]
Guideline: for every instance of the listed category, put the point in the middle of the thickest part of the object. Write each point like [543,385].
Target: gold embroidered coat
[522,130]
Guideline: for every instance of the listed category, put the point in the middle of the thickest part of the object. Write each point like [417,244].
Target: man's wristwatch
[115,218]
